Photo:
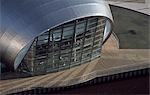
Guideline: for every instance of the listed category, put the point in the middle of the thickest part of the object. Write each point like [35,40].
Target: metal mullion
[33,63]
[60,46]
[48,42]
[48,48]
[102,33]
[72,43]
[94,39]
[53,63]
[86,24]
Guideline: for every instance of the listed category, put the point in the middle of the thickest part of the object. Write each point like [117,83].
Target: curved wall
[22,21]
[73,43]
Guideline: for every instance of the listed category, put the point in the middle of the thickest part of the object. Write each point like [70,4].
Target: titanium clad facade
[24,22]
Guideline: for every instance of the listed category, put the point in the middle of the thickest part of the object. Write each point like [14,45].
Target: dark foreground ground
[132,86]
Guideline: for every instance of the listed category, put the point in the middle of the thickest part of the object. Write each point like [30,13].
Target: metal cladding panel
[23,20]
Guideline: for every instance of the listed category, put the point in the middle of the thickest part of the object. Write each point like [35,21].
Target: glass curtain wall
[65,46]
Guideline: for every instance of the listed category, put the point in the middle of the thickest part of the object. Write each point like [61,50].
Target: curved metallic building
[23,22]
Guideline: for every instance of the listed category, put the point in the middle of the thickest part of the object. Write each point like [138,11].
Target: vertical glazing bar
[49,33]
[35,56]
[73,38]
[102,31]
[34,51]
[94,38]
[60,47]
[53,51]
[82,47]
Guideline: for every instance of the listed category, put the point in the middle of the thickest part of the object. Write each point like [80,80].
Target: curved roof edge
[26,20]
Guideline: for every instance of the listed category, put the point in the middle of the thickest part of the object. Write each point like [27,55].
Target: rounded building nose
[22,22]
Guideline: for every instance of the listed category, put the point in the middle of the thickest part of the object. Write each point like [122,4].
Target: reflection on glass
[70,44]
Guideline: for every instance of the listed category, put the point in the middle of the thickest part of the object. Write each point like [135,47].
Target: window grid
[59,50]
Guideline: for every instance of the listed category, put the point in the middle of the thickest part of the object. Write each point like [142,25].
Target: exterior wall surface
[63,47]
[23,20]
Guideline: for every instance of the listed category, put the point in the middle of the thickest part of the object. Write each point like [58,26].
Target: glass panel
[68,32]
[86,57]
[92,20]
[92,23]
[57,35]
[80,28]
[56,45]
[76,57]
[67,50]
[95,54]
[64,60]
[42,37]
